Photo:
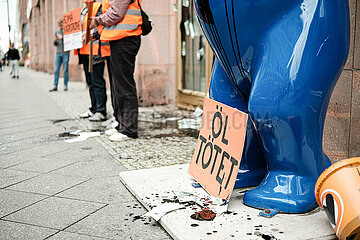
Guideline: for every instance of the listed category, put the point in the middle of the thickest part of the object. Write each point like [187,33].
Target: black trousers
[123,87]
[97,85]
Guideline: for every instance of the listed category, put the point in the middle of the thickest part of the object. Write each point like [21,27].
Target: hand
[93,23]
[59,36]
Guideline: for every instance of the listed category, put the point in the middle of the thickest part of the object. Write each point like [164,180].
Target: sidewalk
[50,189]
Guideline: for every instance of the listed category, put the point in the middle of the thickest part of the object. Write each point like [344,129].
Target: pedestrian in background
[1,59]
[61,57]
[95,79]
[122,28]
[13,57]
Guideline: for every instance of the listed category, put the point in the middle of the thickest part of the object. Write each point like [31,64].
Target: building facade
[174,63]
[38,23]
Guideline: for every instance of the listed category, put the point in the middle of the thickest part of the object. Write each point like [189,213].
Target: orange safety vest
[130,25]
[105,45]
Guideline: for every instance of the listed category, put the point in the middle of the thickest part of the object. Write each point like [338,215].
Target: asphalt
[50,189]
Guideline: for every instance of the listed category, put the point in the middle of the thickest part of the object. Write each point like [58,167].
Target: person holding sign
[122,28]
[61,57]
[95,79]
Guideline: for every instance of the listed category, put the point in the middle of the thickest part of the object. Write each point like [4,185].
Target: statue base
[151,186]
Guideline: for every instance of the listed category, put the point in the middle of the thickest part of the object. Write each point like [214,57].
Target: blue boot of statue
[285,56]
[252,168]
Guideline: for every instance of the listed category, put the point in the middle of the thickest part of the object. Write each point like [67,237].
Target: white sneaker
[117,137]
[86,114]
[110,132]
[112,125]
[97,117]
[108,122]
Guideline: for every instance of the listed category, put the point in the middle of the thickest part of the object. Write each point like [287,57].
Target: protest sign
[217,156]
[72,29]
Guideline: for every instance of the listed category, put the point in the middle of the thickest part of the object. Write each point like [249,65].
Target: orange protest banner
[218,152]
[72,21]
[72,29]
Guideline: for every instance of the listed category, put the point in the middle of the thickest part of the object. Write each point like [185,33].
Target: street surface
[50,189]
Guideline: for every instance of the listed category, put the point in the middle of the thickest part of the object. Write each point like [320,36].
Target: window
[195,57]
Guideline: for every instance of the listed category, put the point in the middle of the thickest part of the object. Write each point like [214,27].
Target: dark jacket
[13,54]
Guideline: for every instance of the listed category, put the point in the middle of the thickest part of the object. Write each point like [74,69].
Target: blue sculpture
[278,61]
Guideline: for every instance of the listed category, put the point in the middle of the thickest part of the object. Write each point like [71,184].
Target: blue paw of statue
[284,192]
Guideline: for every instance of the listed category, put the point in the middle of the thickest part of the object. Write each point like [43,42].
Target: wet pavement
[50,189]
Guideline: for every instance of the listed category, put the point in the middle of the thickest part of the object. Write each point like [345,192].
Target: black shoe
[13,76]
[53,89]
[17,77]
[65,88]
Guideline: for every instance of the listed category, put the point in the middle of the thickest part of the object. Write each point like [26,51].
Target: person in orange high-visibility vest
[122,28]
[95,79]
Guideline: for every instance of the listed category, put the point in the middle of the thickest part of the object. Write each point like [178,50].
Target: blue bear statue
[278,61]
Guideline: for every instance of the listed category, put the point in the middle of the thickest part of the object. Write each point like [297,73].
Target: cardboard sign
[217,156]
[72,29]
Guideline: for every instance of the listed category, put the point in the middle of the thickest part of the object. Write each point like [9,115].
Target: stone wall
[156,65]
[341,134]
[42,27]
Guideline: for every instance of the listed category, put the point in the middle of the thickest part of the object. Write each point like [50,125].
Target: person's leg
[12,64]
[65,62]
[10,68]
[16,68]
[57,65]
[99,87]
[89,82]
[123,55]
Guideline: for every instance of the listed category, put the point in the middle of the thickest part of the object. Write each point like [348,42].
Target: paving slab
[13,160]
[10,111]
[10,177]
[26,136]
[17,123]
[243,222]
[88,150]
[37,147]
[43,165]
[18,231]
[11,201]
[72,236]
[118,221]
[25,117]
[108,190]
[91,169]
[55,213]
[48,184]
[23,128]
